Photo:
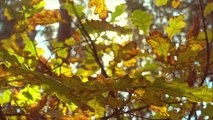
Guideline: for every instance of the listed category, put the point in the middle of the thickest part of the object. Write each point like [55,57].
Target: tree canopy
[141,59]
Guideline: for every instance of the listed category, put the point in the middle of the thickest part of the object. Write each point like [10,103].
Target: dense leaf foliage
[150,62]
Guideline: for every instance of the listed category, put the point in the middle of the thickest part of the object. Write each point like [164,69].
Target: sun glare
[52,4]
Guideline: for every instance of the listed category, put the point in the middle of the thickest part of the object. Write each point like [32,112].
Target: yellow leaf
[66,70]
[161,2]
[34,2]
[100,8]
[70,42]
[176,3]
[196,47]
[40,51]
[139,92]
[7,14]
[99,109]
[130,62]
[175,25]
[7,43]
[162,110]
[160,45]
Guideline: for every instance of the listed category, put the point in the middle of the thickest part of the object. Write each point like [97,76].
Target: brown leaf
[45,17]
[128,51]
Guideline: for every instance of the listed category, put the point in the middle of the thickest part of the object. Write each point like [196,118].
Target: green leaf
[151,66]
[205,93]
[118,11]
[142,20]
[94,26]
[29,95]
[202,36]
[4,55]
[69,7]
[208,110]
[161,2]
[62,53]
[99,109]
[70,42]
[175,25]
[29,46]
[188,53]
[63,92]
[5,97]
[153,97]
[127,82]
[57,44]
[208,9]
[123,83]
[180,88]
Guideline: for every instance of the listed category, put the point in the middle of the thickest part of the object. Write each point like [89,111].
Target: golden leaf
[7,14]
[162,110]
[100,9]
[160,44]
[176,3]
[45,17]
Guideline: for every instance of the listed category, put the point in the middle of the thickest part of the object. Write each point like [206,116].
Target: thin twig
[90,42]
[192,111]
[118,111]
[207,44]
[128,112]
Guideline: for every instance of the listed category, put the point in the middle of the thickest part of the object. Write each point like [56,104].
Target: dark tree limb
[90,42]
[208,52]
[192,111]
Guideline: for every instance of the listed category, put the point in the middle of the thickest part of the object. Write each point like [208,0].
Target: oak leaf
[142,20]
[175,25]
[100,8]
[160,44]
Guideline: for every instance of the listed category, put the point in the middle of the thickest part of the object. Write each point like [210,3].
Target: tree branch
[192,111]
[207,44]
[90,42]
[118,111]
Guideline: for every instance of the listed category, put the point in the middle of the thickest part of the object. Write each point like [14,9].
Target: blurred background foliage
[103,59]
